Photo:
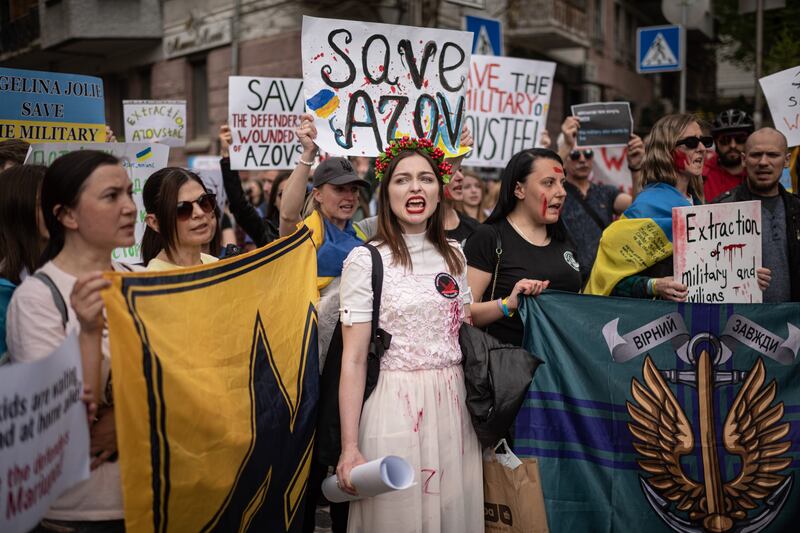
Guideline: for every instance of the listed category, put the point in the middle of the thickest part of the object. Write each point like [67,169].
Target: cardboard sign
[139,160]
[604,123]
[51,107]
[782,91]
[368,83]
[507,104]
[716,251]
[610,166]
[148,121]
[44,435]
[207,167]
[263,114]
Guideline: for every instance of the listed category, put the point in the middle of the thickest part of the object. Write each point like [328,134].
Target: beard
[730,159]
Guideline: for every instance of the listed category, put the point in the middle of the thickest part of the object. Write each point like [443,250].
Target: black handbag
[497,376]
[329,433]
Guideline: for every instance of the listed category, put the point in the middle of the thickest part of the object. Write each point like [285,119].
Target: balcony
[20,33]
[547,24]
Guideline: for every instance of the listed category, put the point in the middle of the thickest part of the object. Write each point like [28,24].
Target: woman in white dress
[417,410]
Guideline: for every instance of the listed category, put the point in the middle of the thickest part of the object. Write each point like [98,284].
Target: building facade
[186,49]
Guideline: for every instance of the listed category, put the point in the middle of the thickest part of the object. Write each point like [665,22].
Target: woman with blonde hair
[474,191]
[674,153]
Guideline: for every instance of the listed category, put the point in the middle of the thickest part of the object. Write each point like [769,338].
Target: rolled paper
[376,477]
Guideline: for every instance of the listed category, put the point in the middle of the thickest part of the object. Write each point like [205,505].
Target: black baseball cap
[337,171]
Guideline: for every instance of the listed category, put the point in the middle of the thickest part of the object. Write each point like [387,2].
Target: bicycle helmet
[732,120]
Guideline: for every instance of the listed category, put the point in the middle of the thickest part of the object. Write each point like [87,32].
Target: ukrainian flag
[215,384]
[145,154]
[638,240]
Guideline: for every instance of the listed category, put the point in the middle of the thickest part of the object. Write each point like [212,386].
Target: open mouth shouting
[415,205]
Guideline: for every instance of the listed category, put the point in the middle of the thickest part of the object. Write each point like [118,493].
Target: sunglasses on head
[207,202]
[693,142]
[738,138]
[576,154]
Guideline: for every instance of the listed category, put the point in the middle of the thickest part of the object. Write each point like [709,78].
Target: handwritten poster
[610,166]
[604,123]
[44,435]
[507,104]
[51,107]
[263,114]
[716,251]
[148,121]
[139,160]
[782,91]
[368,83]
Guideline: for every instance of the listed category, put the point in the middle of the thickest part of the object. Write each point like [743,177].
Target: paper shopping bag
[513,501]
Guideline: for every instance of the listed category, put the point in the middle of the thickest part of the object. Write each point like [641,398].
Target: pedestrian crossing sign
[659,49]
[487,35]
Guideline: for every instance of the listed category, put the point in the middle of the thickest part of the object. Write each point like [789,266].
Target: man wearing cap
[725,170]
[765,157]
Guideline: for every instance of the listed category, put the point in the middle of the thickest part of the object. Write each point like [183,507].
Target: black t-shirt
[520,259]
[466,227]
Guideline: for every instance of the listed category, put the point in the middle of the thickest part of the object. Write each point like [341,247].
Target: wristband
[651,287]
[504,306]
[306,163]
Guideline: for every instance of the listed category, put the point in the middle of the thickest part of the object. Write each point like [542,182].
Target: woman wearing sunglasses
[672,170]
[181,220]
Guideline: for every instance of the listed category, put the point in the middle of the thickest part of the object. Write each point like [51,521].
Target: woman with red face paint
[674,154]
[418,408]
[537,252]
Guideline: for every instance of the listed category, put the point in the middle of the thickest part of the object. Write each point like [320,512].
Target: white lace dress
[417,410]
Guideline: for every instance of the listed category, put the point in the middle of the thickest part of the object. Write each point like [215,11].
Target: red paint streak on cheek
[544,205]
[680,160]
[558,170]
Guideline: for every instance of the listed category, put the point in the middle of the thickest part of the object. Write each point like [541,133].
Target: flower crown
[406,143]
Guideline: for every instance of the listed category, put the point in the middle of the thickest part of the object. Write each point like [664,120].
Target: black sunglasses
[693,142]
[576,154]
[207,202]
[726,138]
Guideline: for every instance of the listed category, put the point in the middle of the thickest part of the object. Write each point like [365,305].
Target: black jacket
[791,204]
[261,230]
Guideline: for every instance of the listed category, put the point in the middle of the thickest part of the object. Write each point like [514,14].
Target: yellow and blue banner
[663,416]
[51,107]
[216,381]
[638,240]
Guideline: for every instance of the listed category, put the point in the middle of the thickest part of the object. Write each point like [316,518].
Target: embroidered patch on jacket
[571,261]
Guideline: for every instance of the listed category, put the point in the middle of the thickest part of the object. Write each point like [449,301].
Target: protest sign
[51,107]
[263,114]
[207,167]
[139,160]
[44,435]
[716,251]
[782,91]
[148,121]
[604,123]
[368,83]
[507,103]
[610,166]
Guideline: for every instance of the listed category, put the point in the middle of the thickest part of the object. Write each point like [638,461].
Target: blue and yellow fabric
[794,170]
[216,382]
[333,245]
[638,240]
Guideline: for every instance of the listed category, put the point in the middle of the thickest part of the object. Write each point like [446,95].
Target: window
[199,78]
[598,30]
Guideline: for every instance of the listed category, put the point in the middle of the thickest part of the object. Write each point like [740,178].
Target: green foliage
[781,35]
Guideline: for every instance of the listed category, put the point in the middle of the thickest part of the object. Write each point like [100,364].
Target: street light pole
[759,52]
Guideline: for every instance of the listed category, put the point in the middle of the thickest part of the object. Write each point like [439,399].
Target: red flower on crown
[406,143]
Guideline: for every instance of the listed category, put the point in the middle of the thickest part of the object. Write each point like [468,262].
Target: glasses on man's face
[693,142]
[207,202]
[738,138]
[576,154]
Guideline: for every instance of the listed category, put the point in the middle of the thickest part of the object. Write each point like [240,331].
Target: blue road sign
[487,35]
[659,49]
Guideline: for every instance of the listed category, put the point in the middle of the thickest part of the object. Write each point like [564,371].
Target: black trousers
[313,494]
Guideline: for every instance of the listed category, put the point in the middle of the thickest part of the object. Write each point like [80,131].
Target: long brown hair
[658,165]
[21,244]
[390,232]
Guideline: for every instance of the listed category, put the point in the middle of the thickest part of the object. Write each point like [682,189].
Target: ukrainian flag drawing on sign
[215,377]
[662,416]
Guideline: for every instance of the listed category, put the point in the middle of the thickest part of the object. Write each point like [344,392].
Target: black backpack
[329,436]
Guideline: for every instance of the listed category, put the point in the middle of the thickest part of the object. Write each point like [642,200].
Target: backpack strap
[380,340]
[58,299]
[498,251]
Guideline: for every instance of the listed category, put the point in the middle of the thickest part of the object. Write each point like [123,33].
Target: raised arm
[294,193]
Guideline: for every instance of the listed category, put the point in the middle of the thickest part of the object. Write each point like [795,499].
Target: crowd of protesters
[541,224]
